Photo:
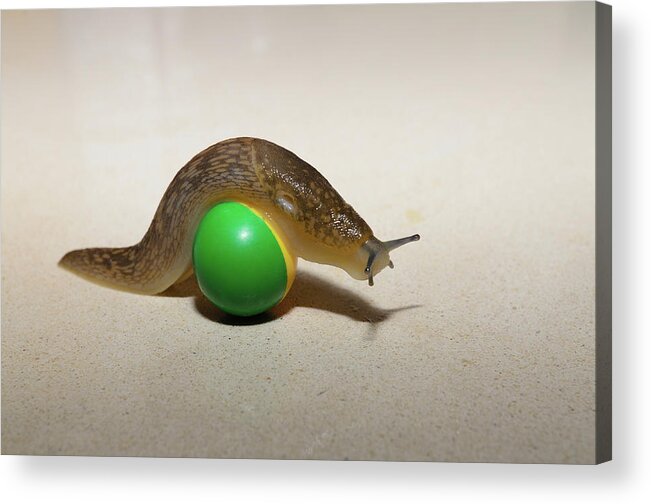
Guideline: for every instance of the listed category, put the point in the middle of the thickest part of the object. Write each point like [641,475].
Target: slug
[310,217]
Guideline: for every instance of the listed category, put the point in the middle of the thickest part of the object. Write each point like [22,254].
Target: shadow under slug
[308,291]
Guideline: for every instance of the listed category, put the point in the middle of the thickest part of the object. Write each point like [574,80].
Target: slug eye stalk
[378,248]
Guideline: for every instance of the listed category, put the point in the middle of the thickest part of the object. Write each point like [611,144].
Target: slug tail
[109,267]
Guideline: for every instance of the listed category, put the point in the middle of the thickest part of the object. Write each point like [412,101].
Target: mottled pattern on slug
[306,196]
[243,169]
[216,173]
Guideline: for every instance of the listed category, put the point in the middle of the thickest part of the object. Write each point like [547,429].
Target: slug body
[297,201]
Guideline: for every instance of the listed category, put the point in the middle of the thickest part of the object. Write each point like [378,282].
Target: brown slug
[312,219]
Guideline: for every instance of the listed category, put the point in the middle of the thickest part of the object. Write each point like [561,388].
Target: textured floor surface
[471,125]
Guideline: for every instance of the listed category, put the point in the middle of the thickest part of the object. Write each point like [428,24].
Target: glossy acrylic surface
[472,125]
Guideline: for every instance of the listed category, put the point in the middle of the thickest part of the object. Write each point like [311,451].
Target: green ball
[241,264]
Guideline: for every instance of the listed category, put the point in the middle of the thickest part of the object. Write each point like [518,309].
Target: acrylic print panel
[471,124]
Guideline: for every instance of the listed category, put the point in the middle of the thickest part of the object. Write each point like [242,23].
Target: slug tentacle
[378,254]
[308,214]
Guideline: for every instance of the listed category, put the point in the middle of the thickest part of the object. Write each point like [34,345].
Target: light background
[29,478]
[473,125]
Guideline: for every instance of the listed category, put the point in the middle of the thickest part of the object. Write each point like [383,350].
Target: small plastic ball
[241,264]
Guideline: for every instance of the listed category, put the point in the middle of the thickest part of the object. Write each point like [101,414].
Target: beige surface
[472,125]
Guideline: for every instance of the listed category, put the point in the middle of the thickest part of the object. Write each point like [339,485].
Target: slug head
[373,256]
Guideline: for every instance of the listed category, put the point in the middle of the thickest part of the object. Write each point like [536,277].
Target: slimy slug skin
[297,202]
